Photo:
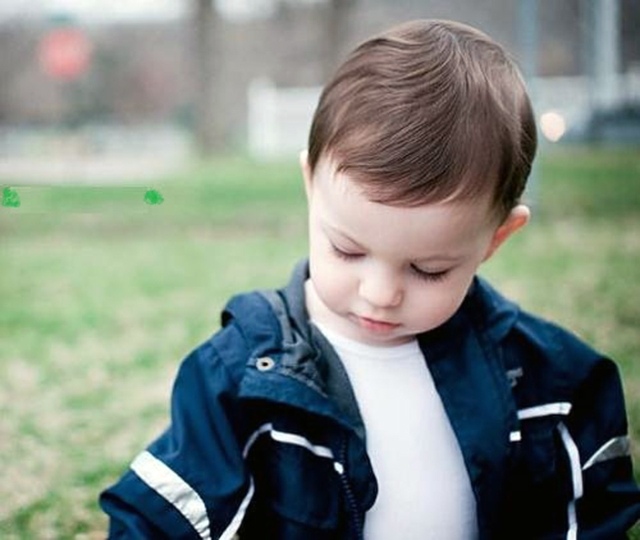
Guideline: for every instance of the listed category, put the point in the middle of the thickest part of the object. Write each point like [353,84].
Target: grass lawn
[101,295]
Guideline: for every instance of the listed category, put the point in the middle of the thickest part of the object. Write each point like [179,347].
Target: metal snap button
[265,363]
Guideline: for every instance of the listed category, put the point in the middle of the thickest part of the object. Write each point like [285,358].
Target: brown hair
[429,110]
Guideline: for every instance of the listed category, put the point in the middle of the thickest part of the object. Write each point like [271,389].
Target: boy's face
[381,274]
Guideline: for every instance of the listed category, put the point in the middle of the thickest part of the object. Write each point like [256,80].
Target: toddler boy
[388,392]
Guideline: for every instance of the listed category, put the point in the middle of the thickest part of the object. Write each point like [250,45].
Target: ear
[306,172]
[517,218]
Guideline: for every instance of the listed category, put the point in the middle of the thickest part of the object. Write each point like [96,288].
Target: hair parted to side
[427,111]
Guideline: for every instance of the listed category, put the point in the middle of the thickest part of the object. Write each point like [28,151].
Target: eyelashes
[346,255]
[429,276]
[423,275]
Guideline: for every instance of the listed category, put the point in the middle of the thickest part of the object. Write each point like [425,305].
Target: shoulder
[548,355]
[248,327]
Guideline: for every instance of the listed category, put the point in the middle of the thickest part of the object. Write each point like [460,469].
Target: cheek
[331,281]
[437,305]
[456,295]
[434,310]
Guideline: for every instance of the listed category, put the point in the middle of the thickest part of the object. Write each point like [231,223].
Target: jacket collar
[303,369]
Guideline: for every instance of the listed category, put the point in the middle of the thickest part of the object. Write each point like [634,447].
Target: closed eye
[427,275]
[346,255]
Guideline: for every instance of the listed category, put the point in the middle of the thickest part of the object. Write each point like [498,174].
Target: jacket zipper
[355,516]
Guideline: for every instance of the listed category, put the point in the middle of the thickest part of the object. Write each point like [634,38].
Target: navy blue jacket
[266,441]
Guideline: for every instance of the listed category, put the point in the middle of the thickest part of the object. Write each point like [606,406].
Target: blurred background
[166,78]
[148,171]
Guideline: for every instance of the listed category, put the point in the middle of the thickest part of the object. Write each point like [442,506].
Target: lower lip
[376,326]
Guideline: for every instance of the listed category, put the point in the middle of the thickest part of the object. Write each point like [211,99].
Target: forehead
[443,227]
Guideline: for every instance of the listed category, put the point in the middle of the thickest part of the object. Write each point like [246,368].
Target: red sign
[64,53]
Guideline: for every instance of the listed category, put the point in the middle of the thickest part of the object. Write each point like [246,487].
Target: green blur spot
[153,196]
[10,198]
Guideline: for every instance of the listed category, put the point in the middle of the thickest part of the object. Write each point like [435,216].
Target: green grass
[102,295]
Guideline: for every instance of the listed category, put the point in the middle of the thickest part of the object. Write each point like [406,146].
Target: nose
[381,289]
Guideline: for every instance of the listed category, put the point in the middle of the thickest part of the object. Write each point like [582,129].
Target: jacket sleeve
[191,482]
[597,449]
[577,480]
[574,477]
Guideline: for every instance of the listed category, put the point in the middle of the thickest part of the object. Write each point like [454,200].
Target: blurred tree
[208,128]
[337,33]
[17,51]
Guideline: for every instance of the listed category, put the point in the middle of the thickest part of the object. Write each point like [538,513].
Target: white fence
[279,118]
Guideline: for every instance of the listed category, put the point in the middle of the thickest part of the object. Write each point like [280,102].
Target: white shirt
[424,489]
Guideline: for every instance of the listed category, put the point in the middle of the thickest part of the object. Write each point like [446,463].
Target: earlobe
[517,218]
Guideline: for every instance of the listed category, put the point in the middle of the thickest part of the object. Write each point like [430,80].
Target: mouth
[374,325]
